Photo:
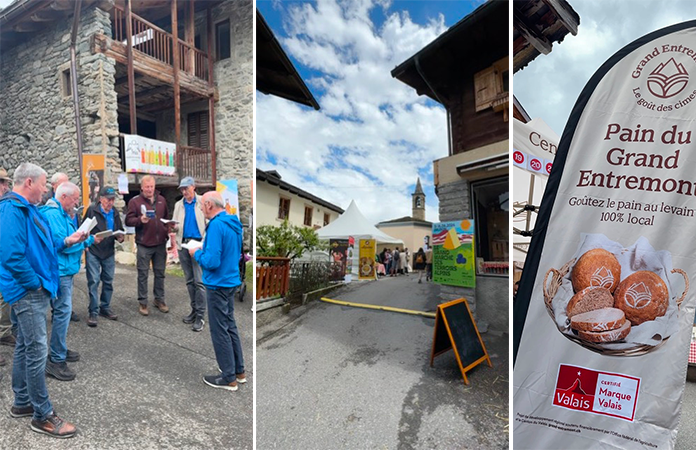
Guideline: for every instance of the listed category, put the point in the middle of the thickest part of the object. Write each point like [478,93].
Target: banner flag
[368,247]
[603,316]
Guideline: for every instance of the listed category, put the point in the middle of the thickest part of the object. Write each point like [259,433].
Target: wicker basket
[551,290]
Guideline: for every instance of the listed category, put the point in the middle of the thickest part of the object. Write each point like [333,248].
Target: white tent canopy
[353,223]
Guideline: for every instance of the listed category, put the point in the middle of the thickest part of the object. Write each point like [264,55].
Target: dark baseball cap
[108,192]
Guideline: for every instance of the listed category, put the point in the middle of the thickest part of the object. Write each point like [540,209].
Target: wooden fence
[272,277]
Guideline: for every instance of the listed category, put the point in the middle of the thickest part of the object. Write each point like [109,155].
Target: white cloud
[550,85]
[374,135]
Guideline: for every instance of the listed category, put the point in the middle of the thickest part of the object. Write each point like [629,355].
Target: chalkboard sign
[455,329]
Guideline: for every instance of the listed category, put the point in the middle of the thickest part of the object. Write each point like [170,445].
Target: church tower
[418,202]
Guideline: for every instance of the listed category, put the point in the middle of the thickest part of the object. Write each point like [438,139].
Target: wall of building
[411,234]
[37,120]
[267,202]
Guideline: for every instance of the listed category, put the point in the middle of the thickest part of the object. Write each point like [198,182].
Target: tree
[286,240]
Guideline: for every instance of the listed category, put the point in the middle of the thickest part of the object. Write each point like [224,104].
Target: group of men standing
[40,253]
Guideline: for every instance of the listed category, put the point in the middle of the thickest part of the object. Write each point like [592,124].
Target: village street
[343,377]
[139,381]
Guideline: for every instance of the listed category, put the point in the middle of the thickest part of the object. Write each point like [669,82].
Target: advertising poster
[368,247]
[145,155]
[338,252]
[92,178]
[453,253]
[230,195]
[349,255]
[604,314]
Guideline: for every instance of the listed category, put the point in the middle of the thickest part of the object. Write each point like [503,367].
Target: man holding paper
[60,214]
[188,213]
[219,259]
[145,212]
[101,258]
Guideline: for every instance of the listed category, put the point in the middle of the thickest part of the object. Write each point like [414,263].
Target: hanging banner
[603,318]
[453,253]
[145,155]
[368,248]
[230,195]
[338,251]
[92,178]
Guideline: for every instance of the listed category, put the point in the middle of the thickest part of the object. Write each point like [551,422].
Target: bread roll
[589,299]
[597,267]
[642,296]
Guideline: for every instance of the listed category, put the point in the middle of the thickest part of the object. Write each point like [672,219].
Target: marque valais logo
[668,79]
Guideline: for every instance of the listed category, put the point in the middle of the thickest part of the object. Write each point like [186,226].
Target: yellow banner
[367,260]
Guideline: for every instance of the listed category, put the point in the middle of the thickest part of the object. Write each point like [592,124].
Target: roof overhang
[275,73]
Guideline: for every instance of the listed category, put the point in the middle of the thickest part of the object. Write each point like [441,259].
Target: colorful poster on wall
[338,252]
[92,178]
[453,253]
[367,271]
[145,155]
[604,312]
[230,195]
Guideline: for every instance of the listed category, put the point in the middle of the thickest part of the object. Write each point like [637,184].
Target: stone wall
[489,300]
[37,121]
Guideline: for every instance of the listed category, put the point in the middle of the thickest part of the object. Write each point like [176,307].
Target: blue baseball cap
[108,192]
[186,182]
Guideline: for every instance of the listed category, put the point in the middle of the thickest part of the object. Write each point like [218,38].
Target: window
[491,87]
[284,208]
[327,219]
[222,40]
[308,210]
[490,199]
[198,130]
[65,83]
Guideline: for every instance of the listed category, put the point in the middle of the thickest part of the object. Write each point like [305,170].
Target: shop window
[222,40]
[308,210]
[284,208]
[491,206]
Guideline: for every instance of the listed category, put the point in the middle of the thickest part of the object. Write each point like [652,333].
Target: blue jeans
[62,309]
[194,283]
[100,270]
[28,369]
[223,331]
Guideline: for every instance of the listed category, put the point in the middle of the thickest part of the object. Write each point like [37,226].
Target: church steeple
[418,202]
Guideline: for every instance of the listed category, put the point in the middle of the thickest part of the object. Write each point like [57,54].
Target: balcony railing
[156,43]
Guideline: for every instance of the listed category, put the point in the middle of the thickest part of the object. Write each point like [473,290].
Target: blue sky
[373,135]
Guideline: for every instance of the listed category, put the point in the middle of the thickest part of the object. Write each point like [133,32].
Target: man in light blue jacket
[60,213]
[219,259]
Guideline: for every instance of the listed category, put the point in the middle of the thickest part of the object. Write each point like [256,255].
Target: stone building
[466,70]
[208,81]
[413,230]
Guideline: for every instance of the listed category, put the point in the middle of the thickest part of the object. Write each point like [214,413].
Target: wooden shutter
[485,84]
[198,130]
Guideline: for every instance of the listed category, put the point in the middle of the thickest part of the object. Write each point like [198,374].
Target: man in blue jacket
[219,259]
[60,213]
[28,280]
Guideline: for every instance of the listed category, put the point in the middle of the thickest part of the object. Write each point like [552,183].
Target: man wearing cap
[101,258]
[7,327]
[188,214]
[60,215]
[219,259]
[145,212]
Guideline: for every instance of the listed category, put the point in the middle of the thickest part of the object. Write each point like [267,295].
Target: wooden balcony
[153,54]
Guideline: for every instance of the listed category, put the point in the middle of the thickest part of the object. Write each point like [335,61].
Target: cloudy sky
[373,135]
[550,85]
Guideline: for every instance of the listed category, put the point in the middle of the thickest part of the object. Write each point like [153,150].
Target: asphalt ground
[139,382]
[341,377]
